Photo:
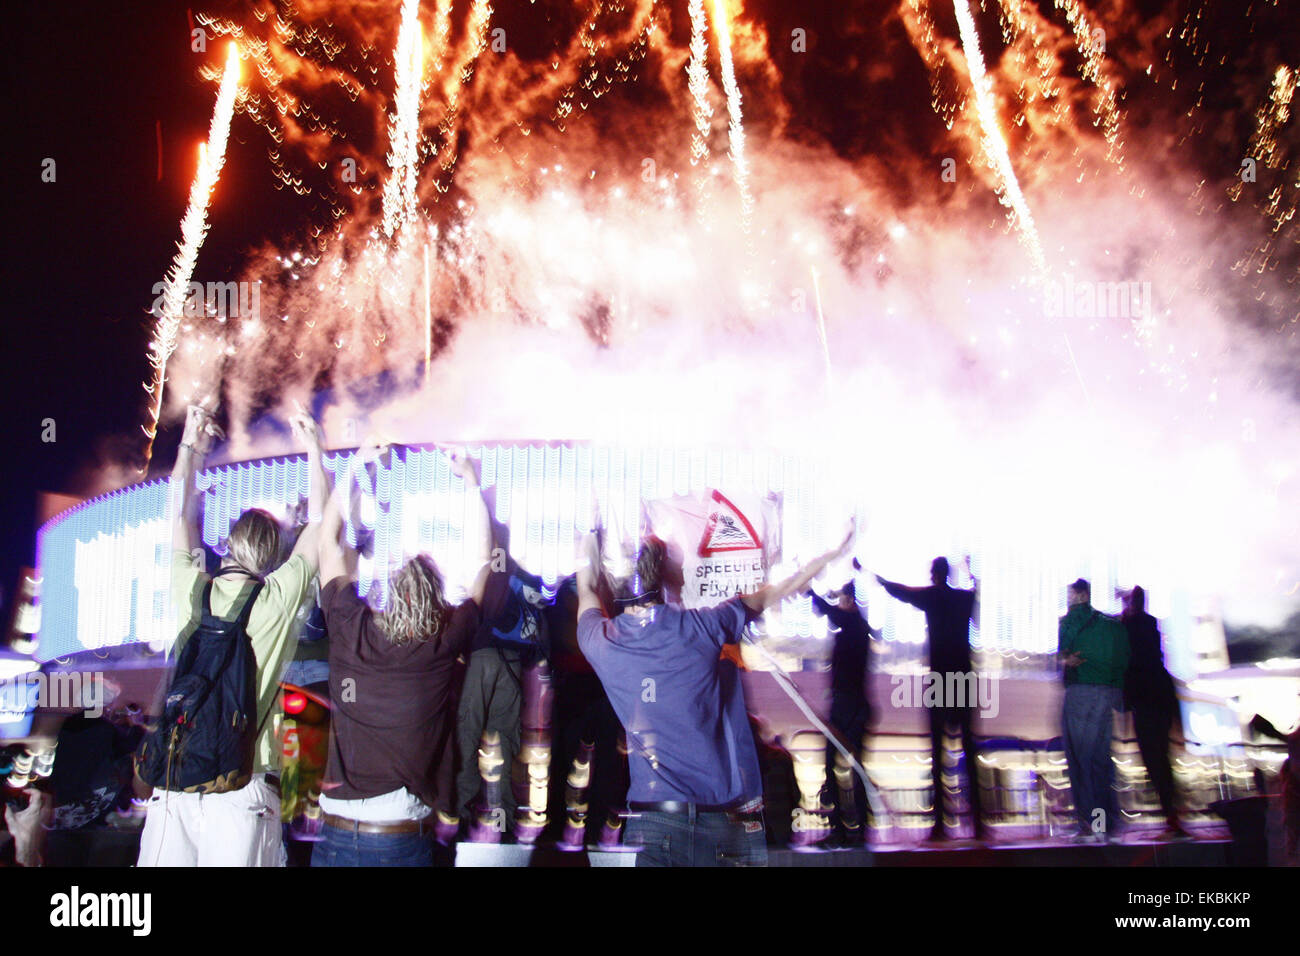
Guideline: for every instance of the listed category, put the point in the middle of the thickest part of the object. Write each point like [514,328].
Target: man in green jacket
[1094,654]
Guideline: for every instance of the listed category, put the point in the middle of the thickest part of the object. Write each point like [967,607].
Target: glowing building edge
[107,563]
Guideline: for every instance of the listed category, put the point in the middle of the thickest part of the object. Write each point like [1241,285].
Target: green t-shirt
[1100,640]
[272,627]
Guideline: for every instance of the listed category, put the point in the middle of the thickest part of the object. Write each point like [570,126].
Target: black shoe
[843,839]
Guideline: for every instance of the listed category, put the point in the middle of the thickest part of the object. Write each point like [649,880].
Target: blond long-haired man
[392,697]
[237,827]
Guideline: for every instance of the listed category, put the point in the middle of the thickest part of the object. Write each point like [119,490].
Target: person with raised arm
[850,711]
[388,791]
[696,796]
[234,821]
[948,615]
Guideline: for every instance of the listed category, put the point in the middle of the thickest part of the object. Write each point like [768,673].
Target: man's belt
[747,808]
[388,826]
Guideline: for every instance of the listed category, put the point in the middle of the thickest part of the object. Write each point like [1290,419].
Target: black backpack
[204,740]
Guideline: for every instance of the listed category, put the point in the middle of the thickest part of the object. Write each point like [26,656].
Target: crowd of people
[427,698]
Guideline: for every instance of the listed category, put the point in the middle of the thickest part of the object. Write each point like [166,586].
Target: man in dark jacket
[850,704]
[1149,692]
[948,613]
[1094,655]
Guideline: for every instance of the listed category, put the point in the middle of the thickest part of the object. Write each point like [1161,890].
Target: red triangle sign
[727,529]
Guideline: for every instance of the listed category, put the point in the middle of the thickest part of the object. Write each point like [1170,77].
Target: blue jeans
[697,839]
[306,673]
[344,848]
[1087,725]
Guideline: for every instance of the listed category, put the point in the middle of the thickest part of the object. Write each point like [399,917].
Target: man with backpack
[212,759]
[1094,654]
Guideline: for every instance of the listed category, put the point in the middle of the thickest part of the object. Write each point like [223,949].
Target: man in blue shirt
[696,794]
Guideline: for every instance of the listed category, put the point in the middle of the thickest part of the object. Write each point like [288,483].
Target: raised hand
[305,428]
[463,465]
[200,429]
[372,447]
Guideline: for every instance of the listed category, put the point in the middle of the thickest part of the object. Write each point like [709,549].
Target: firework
[736,124]
[556,255]
[400,206]
[1265,147]
[428,317]
[194,228]
[1092,46]
[479,17]
[821,323]
[995,145]
[697,81]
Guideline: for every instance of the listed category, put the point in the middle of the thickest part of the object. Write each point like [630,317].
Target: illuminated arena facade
[105,564]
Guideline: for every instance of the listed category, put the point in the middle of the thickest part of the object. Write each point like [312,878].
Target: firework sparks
[441,34]
[995,145]
[1266,149]
[1092,48]
[916,14]
[479,18]
[821,323]
[194,228]
[736,120]
[400,205]
[428,317]
[697,81]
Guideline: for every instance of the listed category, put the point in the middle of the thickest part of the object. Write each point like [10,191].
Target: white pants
[239,828]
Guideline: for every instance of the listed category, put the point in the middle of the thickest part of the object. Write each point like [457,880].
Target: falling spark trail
[1075,364]
[428,318]
[441,32]
[821,324]
[697,80]
[736,124]
[480,16]
[697,74]
[996,146]
[1268,150]
[994,143]
[1092,49]
[194,228]
[400,206]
